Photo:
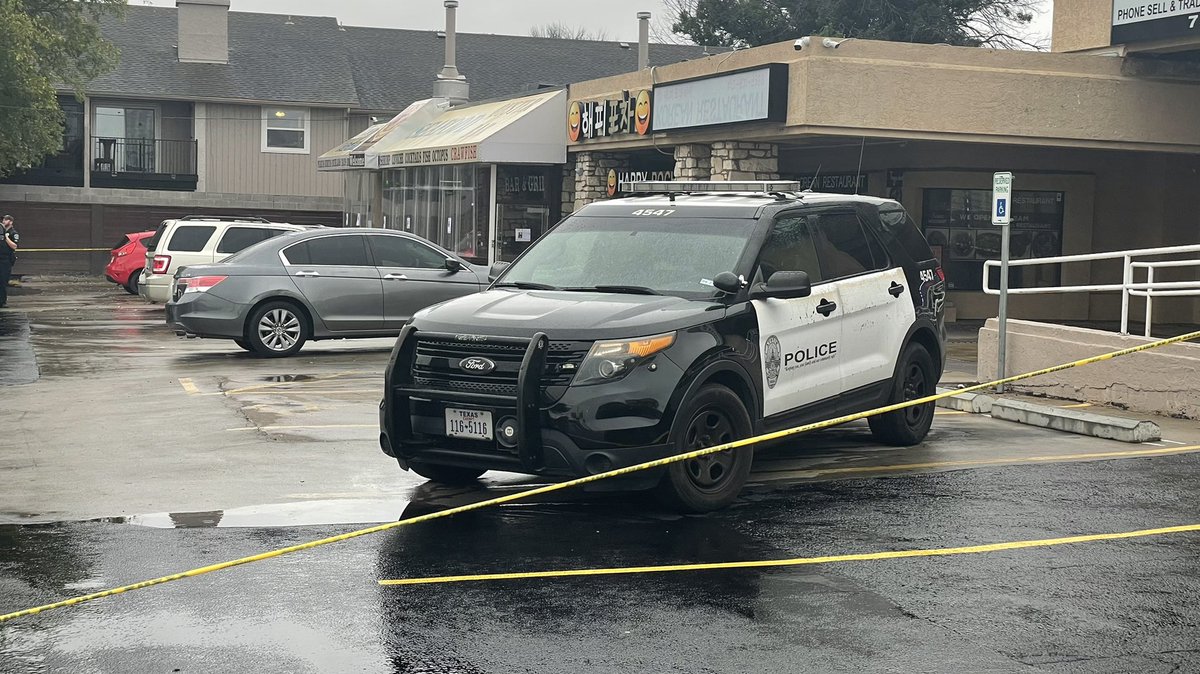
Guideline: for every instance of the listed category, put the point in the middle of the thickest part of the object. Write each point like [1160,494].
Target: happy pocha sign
[629,114]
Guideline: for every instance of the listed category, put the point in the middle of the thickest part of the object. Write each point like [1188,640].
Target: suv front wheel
[714,416]
[276,329]
[915,379]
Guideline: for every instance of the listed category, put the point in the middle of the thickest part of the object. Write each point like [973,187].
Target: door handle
[895,289]
[395,277]
[307,274]
[825,307]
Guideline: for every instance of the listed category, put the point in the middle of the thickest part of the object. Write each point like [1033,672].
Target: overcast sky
[617,18]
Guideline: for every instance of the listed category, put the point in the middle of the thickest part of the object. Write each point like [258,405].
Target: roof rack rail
[225,218]
[711,186]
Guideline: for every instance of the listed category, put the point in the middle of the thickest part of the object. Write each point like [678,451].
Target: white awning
[352,153]
[526,130]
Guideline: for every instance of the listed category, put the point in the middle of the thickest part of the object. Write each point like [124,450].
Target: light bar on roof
[699,186]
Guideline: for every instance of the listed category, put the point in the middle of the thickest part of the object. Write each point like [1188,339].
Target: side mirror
[453,265]
[727,282]
[496,270]
[784,285]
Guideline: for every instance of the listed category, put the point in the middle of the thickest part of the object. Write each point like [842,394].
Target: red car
[128,259]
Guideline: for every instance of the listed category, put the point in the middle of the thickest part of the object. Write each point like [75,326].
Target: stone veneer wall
[738,160]
[693,162]
[590,176]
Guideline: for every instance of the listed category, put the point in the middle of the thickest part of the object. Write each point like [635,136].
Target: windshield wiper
[526,285]
[628,290]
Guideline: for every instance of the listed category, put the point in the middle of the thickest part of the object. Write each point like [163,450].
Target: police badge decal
[772,357]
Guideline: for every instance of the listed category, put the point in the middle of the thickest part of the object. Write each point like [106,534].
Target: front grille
[436,365]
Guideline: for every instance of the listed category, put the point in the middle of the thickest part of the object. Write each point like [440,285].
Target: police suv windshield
[664,255]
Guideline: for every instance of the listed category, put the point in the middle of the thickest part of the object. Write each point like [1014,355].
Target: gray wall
[237,164]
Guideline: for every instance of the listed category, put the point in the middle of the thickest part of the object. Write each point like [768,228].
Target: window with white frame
[285,130]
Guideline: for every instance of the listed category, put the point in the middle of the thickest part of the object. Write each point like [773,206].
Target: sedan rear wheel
[277,329]
[131,286]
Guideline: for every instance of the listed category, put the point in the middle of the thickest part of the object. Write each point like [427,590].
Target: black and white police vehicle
[687,315]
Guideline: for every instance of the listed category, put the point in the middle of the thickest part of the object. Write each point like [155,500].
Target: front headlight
[612,360]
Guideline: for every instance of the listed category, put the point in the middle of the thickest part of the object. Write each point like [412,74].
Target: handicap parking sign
[1001,207]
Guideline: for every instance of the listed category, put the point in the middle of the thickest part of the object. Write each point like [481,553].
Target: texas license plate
[474,424]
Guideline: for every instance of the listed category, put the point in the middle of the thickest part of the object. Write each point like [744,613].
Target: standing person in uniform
[8,255]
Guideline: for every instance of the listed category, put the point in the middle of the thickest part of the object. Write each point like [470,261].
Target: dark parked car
[322,284]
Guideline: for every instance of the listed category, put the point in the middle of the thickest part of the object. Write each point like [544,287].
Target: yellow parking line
[800,561]
[946,413]
[188,386]
[316,379]
[1052,458]
[297,428]
[1075,406]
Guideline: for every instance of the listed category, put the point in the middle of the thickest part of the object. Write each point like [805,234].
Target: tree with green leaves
[749,23]
[45,44]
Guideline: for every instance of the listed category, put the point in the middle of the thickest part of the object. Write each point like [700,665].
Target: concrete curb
[1074,421]
[1055,418]
[975,403]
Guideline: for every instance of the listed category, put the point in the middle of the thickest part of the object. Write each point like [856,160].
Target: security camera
[801,43]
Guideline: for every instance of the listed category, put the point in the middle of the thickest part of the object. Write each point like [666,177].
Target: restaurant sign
[442,155]
[1146,20]
[752,95]
[629,114]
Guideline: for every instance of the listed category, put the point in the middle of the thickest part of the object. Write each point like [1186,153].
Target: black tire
[277,329]
[714,416]
[914,379]
[244,344]
[131,286]
[445,474]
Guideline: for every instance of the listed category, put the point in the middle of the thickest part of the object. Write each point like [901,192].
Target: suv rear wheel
[915,379]
[714,416]
[276,329]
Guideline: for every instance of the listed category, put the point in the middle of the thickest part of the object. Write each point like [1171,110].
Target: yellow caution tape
[591,478]
[798,561]
[64,250]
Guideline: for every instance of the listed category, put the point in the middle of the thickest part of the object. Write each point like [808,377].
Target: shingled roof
[313,60]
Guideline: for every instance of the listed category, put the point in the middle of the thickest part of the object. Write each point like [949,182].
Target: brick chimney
[203,31]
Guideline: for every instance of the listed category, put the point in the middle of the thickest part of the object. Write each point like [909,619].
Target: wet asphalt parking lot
[127,453]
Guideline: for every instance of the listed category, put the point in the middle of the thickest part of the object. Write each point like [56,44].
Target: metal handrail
[1127,287]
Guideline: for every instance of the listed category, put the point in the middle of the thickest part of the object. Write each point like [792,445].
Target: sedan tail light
[161,264]
[201,284]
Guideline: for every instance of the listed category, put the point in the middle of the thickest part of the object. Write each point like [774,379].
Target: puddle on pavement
[304,513]
[276,378]
[18,364]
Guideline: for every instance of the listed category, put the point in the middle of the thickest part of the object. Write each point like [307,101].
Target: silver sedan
[322,284]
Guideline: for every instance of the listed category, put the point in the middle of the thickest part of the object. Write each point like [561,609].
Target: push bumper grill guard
[425,371]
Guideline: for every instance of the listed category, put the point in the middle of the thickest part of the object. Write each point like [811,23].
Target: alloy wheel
[279,329]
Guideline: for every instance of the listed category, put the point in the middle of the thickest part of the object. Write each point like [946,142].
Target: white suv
[199,239]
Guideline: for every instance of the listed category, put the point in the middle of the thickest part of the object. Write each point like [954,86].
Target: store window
[528,201]
[447,205]
[285,130]
[958,226]
[358,199]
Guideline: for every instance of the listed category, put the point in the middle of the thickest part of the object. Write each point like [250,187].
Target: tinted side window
[152,242]
[190,238]
[898,225]
[237,238]
[398,251]
[790,248]
[347,250]
[844,247]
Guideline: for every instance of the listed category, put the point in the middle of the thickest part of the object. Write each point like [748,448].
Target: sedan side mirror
[453,265]
[784,285]
[496,270]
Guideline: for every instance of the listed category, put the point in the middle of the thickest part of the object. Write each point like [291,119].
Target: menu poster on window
[960,221]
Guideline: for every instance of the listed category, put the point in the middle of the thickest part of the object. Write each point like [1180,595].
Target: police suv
[687,315]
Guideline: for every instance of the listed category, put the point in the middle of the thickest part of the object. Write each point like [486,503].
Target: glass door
[125,139]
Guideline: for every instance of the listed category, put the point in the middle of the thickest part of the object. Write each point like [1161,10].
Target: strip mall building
[1102,136]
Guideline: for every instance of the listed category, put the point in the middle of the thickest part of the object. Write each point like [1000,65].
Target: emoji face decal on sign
[641,120]
[573,121]
[612,182]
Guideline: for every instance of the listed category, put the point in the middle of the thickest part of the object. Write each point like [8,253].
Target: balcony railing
[144,162]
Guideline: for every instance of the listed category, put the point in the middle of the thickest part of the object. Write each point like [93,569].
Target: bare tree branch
[562,31]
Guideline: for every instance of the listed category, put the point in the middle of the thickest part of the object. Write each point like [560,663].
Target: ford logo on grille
[477,365]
